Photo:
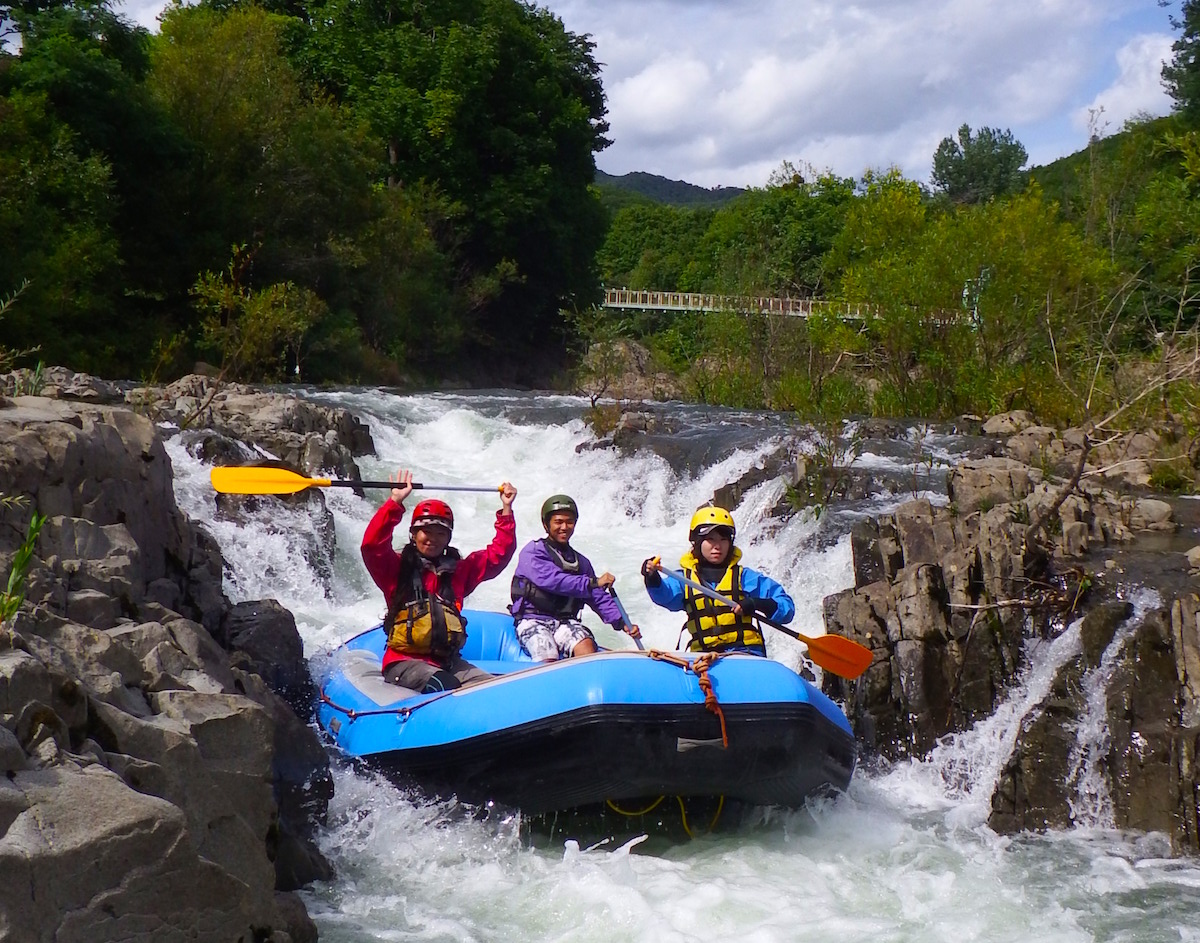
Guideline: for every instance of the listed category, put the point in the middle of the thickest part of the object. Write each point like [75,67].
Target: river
[905,855]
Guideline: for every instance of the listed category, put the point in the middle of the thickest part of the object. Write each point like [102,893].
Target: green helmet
[558,502]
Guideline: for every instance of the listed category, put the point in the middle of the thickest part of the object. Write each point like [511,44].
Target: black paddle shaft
[416,486]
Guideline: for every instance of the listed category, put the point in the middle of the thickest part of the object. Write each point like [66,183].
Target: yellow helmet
[706,519]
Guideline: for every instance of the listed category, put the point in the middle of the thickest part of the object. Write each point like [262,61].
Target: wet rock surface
[163,782]
[952,599]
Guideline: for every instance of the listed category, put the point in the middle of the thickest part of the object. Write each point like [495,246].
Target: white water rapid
[905,857]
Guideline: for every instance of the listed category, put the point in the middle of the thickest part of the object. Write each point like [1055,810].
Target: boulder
[265,633]
[147,796]
[1033,792]
[299,432]
[988,482]
[1008,423]
[623,370]
[87,859]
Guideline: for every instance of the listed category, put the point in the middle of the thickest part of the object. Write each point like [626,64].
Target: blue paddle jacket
[673,595]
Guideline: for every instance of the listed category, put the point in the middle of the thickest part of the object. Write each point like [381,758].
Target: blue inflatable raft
[615,726]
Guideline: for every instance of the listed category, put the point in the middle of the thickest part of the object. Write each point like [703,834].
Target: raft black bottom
[778,754]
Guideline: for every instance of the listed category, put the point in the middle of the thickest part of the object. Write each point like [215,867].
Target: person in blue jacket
[552,584]
[714,561]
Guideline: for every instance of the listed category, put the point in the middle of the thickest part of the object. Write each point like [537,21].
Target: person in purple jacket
[552,584]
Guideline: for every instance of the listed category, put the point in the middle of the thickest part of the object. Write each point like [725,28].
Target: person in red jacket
[425,585]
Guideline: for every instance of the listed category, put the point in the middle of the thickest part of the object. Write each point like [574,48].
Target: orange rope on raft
[700,666]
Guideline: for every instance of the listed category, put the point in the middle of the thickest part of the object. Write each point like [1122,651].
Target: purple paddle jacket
[537,564]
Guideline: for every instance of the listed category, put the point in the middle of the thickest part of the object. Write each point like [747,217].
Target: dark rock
[879,428]
[266,633]
[303,786]
[989,482]
[12,754]
[967,425]
[88,859]
[143,788]
[867,553]
[294,918]
[914,528]
[1144,732]
[1032,793]
[215,449]
[1098,628]
[604,443]
[730,495]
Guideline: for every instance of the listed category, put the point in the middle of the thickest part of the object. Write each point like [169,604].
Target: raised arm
[381,560]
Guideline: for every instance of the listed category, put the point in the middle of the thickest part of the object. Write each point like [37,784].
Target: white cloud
[1137,88]
[661,98]
[861,84]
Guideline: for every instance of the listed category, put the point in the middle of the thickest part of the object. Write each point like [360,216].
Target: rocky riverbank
[953,599]
[161,779]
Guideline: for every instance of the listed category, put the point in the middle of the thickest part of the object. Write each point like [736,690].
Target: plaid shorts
[549,639]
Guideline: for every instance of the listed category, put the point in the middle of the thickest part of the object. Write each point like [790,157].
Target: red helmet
[432,511]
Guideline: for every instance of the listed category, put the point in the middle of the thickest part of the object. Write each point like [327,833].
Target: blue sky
[721,92]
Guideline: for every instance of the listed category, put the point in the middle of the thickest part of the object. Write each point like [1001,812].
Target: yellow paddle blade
[843,656]
[233,479]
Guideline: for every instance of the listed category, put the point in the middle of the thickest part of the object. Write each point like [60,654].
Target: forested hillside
[656,189]
[1062,289]
[323,188]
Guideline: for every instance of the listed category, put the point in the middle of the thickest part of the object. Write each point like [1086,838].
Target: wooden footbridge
[637,300]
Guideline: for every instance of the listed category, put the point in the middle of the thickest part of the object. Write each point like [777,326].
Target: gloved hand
[650,574]
[764,607]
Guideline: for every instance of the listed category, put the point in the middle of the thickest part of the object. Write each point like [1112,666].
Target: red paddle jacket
[383,563]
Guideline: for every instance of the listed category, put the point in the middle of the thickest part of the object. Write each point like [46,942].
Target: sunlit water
[906,855]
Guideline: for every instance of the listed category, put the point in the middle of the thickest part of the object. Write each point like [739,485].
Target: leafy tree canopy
[502,108]
[1182,74]
[979,166]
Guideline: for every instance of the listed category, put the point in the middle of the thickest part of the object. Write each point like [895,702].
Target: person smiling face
[560,526]
[431,539]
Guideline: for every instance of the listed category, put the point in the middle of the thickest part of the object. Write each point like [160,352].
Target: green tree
[1182,74]
[500,107]
[401,280]
[978,166]
[1167,217]
[969,305]
[773,240]
[57,230]
[278,167]
[82,67]
[651,246]
[292,174]
[256,334]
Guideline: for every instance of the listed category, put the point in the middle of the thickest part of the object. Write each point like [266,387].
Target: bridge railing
[703,301]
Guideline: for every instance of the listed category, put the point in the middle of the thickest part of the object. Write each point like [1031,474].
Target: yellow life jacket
[713,625]
[420,622]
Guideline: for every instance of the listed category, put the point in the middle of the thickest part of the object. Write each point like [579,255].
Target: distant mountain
[662,190]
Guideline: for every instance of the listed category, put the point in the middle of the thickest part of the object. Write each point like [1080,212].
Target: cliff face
[155,786]
[952,600]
